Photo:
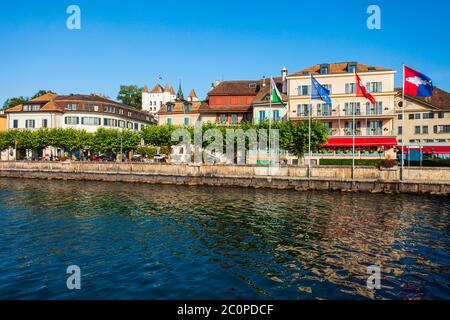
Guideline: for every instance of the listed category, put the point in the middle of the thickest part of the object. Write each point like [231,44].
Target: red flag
[361,90]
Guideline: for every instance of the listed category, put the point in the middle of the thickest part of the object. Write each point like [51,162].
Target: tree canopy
[130,95]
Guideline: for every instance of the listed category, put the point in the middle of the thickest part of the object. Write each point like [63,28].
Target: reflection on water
[135,241]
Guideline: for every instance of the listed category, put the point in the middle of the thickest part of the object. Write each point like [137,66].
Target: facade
[158,96]
[374,124]
[426,130]
[3,122]
[84,112]
[230,102]
[263,109]
[180,113]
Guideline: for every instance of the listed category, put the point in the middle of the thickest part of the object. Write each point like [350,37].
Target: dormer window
[71,107]
[187,107]
[31,107]
[306,73]
[252,85]
[351,68]
[325,69]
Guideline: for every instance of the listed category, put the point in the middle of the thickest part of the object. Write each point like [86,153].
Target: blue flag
[319,92]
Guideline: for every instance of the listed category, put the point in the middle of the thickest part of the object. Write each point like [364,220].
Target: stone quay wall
[366,179]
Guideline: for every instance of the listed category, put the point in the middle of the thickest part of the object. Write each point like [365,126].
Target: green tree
[12,102]
[130,95]
[158,135]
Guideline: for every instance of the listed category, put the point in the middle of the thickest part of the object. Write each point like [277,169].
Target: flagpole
[403,125]
[353,132]
[270,124]
[309,128]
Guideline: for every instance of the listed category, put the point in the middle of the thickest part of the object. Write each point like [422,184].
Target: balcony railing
[360,132]
[342,113]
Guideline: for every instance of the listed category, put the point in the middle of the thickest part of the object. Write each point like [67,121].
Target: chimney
[264,81]
[283,78]
[217,82]
[212,85]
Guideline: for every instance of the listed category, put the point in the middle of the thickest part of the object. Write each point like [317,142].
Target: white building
[84,112]
[153,100]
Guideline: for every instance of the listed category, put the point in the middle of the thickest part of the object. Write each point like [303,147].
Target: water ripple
[175,242]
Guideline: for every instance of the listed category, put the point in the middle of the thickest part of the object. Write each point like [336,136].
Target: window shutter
[380,86]
[26,124]
[34,122]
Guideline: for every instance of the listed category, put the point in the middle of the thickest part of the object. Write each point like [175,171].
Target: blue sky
[197,42]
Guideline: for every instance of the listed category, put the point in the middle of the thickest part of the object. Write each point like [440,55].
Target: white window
[90,121]
[71,120]
[71,107]
[350,88]
[29,124]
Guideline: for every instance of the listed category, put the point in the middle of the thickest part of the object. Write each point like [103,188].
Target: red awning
[361,142]
[428,149]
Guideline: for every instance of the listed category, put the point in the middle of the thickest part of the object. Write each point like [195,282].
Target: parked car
[137,158]
[106,158]
[160,158]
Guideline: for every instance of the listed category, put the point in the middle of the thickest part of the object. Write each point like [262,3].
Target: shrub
[388,163]
[165,150]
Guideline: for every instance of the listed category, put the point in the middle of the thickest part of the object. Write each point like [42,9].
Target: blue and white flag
[319,92]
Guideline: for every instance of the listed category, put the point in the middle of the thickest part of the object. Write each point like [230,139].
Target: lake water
[137,241]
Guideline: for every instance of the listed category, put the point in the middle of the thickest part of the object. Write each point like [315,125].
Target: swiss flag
[361,90]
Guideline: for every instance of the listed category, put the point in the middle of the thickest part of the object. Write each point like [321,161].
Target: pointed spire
[180,95]
[192,96]
[172,91]
[145,89]
[166,88]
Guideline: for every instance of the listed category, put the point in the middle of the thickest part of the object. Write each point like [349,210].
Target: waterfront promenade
[339,178]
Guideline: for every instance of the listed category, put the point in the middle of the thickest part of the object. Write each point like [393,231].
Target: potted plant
[388,164]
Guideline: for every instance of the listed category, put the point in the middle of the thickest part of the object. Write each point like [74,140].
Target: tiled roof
[172,91]
[440,99]
[237,88]
[51,102]
[338,68]
[178,107]
[192,94]
[260,97]
[145,89]
[157,89]
[45,97]
[166,88]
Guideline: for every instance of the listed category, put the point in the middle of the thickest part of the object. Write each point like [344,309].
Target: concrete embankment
[366,179]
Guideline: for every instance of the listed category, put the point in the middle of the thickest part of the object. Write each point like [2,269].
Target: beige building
[426,124]
[263,109]
[180,113]
[373,123]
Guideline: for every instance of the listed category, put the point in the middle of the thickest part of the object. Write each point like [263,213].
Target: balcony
[347,114]
[367,132]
